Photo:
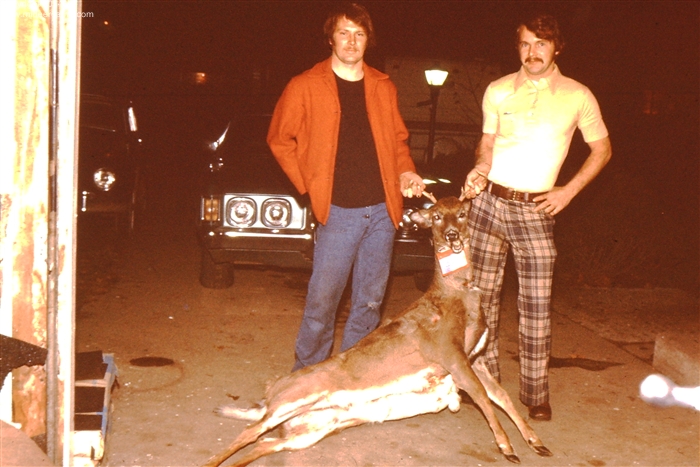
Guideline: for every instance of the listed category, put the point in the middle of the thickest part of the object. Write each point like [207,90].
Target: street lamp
[435,78]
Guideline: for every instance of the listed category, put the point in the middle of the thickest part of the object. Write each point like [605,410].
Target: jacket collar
[552,80]
[324,70]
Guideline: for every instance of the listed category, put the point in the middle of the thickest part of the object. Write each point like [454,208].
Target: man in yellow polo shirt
[529,120]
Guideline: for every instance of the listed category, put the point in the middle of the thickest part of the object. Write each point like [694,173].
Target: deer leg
[273,418]
[500,397]
[290,443]
[248,436]
[466,379]
[300,432]
[262,448]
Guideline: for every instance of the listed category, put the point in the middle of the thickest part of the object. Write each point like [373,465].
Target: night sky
[612,46]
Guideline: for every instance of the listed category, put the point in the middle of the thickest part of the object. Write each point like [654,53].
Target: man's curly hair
[544,26]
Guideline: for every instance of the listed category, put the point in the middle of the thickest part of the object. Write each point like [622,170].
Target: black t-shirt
[357,181]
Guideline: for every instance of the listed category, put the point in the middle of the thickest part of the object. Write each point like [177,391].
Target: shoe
[542,413]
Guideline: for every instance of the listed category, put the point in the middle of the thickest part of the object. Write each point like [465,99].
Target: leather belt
[510,194]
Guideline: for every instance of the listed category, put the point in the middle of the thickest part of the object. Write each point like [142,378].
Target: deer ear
[422,218]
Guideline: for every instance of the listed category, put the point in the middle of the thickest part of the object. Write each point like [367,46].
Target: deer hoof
[542,451]
[512,458]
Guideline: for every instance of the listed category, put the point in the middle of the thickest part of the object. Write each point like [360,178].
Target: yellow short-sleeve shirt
[534,123]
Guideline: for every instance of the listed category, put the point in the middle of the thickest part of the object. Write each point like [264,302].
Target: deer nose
[452,235]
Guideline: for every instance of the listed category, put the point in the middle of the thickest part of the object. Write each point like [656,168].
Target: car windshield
[99,115]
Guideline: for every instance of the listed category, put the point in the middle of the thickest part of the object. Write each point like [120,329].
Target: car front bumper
[290,250]
[295,250]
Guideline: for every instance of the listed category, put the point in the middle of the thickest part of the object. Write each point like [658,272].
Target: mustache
[533,59]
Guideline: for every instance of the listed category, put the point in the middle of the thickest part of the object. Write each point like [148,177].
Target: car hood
[239,160]
[240,167]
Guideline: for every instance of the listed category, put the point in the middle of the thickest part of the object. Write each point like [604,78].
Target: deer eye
[436,218]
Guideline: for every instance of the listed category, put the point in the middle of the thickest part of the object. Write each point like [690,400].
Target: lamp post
[435,78]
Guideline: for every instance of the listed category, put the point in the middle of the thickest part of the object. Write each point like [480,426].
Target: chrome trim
[83,201]
[264,235]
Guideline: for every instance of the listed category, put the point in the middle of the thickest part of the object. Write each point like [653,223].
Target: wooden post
[39,43]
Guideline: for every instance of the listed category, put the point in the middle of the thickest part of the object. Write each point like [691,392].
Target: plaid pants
[495,225]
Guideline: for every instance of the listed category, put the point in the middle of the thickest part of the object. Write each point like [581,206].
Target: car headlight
[240,212]
[104,179]
[276,213]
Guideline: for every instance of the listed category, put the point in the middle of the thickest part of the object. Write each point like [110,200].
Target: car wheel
[215,275]
[423,279]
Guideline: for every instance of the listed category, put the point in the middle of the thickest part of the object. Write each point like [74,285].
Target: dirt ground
[141,298]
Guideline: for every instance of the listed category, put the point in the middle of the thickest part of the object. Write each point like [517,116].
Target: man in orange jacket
[337,133]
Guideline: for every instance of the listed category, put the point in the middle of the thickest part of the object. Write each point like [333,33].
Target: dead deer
[410,365]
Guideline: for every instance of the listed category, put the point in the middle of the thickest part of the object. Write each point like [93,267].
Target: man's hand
[558,198]
[554,201]
[475,183]
[477,179]
[411,184]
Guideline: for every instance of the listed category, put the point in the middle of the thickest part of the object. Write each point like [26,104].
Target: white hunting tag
[451,262]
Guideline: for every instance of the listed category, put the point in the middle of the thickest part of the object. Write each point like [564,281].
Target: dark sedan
[251,214]
[109,162]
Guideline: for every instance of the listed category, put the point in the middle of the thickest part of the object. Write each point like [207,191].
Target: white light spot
[654,386]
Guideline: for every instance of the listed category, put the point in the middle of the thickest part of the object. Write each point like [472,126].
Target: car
[251,214]
[109,152]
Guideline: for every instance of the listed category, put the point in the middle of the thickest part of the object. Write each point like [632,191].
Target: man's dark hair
[544,26]
[352,12]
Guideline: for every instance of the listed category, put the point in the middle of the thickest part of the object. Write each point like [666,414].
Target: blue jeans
[357,239]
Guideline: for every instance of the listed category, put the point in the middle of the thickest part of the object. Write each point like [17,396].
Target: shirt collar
[552,80]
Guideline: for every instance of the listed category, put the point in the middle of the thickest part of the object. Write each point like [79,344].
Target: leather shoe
[542,413]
